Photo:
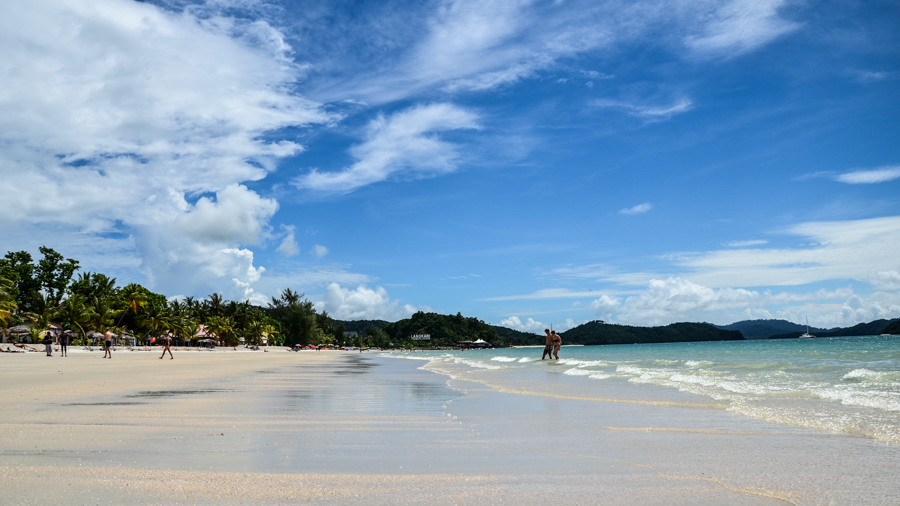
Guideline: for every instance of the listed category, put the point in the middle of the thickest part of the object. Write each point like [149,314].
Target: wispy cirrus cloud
[404,144]
[746,244]
[638,209]
[651,112]
[480,45]
[870,176]
[836,250]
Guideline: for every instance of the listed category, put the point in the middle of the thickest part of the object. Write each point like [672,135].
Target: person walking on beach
[63,344]
[107,344]
[48,343]
[166,340]
[548,347]
[556,342]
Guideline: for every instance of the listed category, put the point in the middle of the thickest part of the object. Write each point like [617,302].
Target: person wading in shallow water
[107,344]
[165,340]
[548,348]
[556,342]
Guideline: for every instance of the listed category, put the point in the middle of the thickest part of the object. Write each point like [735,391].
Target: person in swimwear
[549,346]
[107,344]
[556,342]
[166,342]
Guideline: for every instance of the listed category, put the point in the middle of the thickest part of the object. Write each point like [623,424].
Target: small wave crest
[505,359]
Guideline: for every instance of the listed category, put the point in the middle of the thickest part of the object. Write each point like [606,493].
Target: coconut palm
[75,312]
[134,297]
[222,327]
[155,320]
[7,300]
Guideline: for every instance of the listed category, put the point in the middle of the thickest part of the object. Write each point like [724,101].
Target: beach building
[477,344]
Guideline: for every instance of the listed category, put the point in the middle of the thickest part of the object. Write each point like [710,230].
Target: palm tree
[220,326]
[7,301]
[75,312]
[134,297]
[102,313]
[215,304]
[155,320]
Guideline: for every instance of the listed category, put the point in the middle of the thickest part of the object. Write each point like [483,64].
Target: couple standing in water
[554,341]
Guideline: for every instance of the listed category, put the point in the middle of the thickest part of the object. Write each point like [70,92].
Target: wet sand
[229,427]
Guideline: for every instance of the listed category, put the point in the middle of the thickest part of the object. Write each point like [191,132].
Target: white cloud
[117,113]
[677,299]
[638,209]
[403,144]
[886,280]
[530,325]
[364,303]
[869,76]
[870,176]
[736,27]
[840,250]
[647,111]
[477,45]
[237,215]
[545,293]
[289,246]
[319,251]
[745,244]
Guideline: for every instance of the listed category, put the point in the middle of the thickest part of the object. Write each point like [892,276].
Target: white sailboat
[807,335]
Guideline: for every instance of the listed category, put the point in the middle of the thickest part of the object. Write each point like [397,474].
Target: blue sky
[526,162]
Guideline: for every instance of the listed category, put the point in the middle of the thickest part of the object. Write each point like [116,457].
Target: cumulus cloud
[122,117]
[404,144]
[638,209]
[870,176]
[319,251]
[364,303]
[886,280]
[530,324]
[289,246]
[677,299]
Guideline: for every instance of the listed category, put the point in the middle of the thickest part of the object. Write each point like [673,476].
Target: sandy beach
[229,427]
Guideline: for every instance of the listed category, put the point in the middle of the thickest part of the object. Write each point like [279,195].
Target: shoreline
[362,428]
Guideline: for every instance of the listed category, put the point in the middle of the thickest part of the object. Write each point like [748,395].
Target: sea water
[847,385]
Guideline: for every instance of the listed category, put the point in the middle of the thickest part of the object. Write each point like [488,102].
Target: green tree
[54,273]
[17,266]
[75,314]
[297,318]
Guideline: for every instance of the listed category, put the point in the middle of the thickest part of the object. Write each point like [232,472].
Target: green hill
[762,329]
[361,325]
[597,332]
[517,337]
[893,328]
[445,330]
[873,328]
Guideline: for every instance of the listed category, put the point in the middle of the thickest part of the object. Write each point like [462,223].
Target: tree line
[52,290]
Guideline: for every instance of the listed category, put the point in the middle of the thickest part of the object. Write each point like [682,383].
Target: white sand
[229,427]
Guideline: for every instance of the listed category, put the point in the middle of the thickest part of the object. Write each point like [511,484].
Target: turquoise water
[847,385]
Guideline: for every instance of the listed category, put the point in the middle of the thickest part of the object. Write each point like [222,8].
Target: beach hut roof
[480,341]
[19,329]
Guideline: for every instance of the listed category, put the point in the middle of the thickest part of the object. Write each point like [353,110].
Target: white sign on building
[420,337]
